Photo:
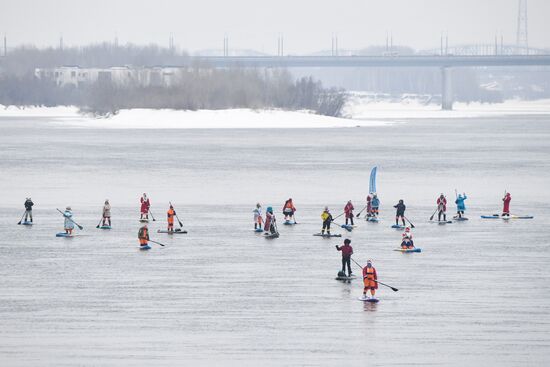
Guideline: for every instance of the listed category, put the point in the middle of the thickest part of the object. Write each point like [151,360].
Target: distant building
[119,75]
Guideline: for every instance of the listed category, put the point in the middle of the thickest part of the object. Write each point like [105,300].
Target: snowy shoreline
[357,113]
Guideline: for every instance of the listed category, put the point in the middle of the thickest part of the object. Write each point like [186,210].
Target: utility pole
[61,43]
[522,42]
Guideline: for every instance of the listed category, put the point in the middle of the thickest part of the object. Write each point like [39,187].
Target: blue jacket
[375,202]
[460,202]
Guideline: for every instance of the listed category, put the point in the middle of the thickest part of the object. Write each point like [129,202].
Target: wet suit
[28,209]
[400,213]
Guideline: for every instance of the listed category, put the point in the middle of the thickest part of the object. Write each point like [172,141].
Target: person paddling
[270,226]
[258,220]
[106,213]
[28,209]
[170,214]
[375,203]
[348,210]
[143,236]
[288,210]
[506,204]
[327,220]
[145,205]
[369,277]
[460,206]
[441,208]
[68,224]
[369,206]
[347,251]
[400,212]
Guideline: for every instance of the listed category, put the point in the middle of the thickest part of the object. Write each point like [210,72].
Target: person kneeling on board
[170,214]
[369,280]
[270,226]
[327,220]
[400,212]
[143,236]
[369,206]
[258,220]
[407,243]
[441,208]
[347,251]
[506,205]
[407,234]
[460,206]
[289,209]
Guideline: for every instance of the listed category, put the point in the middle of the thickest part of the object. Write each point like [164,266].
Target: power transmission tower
[522,43]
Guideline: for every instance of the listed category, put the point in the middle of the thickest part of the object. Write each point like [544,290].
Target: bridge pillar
[446,89]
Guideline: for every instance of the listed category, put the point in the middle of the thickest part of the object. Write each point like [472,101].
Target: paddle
[338,216]
[407,219]
[99,222]
[294,216]
[78,225]
[20,220]
[432,216]
[158,243]
[358,214]
[389,286]
[179,221]
[152,216]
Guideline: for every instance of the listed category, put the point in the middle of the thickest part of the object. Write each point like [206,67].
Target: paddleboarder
[270,226]
[145,205]
[327,220]
[348,210]
[506,204]
[170,214]
[258,220]
[460,206]
[288,210]
[400,212]
[28,209]
[441,208]
[347,251]
[375,203]
[369,206]
[143,236]
[407,233]
[369,277]
[106,213]
[69,224]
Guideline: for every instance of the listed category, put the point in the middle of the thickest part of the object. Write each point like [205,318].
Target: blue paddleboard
[63,234]
[398,226]
[105,227]
[406,251]
[26,223]
[365,299]
[146,247]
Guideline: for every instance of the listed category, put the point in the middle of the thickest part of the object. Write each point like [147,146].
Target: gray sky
[307,25]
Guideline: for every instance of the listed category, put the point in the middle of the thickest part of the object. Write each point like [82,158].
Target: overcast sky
[307,25]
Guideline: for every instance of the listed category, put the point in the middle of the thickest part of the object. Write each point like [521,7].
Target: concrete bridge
[444,62]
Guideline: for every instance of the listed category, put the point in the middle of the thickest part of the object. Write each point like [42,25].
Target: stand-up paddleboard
[367,299]
[347,227]
[271,235]
[441,222]
[26,223]
[498,216]
[144,248]
[408,250]
[345,278]
[171,232]
[289,223]
[324,235]
[144,220]
[258,230]
[460,219]
[63,234]
[105,227]
[372,219]
[398,226]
